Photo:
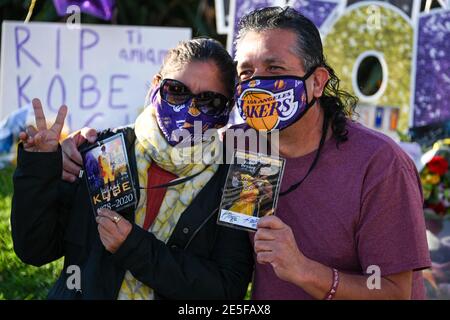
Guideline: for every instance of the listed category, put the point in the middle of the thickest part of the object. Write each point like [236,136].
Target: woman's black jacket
[52,219]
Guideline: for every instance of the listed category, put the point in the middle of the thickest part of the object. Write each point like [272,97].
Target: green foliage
[18,280]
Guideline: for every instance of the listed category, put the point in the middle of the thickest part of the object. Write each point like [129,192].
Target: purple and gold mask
[269,103]
[185,111]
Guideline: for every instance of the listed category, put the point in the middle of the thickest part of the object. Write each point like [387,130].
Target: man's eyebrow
[270,60]
[266,61]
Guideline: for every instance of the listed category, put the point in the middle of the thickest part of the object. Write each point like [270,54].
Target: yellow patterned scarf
[152,146]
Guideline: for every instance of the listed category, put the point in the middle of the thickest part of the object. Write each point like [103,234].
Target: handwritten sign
[102,73]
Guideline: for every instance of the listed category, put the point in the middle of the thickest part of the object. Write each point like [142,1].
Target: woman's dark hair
[202,49]
[337,104]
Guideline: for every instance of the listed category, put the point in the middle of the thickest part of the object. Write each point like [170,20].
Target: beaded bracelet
[330,295]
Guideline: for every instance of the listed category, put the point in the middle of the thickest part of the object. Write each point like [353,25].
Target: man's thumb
[89,134]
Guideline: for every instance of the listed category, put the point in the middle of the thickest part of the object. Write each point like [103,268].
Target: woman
[170,246]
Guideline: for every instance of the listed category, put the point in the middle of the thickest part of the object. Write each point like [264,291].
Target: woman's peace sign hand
[43,139]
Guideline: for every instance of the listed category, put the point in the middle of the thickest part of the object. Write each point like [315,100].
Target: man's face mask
[273,102]
[177,109]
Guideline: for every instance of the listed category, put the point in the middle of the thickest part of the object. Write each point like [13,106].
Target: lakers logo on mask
[279,85]
[259,109]
[253,83]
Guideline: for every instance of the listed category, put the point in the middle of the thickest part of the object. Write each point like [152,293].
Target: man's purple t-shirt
[360,206]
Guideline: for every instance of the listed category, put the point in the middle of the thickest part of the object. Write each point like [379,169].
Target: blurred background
[98,56]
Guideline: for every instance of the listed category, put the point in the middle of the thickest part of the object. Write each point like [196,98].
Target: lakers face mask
[178,109]
[269,103]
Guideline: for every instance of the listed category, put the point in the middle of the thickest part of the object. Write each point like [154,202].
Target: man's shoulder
[372,138]
[377,148]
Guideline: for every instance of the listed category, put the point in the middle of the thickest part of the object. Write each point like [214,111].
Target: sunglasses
[210,103]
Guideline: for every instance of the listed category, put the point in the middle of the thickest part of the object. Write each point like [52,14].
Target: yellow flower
[431,179]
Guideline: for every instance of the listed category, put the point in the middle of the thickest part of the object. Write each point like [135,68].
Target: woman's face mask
[178,110]
[269,103]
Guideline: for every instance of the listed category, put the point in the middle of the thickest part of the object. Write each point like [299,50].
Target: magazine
[108,174]
[251,189]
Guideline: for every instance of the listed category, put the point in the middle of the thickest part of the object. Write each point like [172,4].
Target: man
[360,207]
[349,222]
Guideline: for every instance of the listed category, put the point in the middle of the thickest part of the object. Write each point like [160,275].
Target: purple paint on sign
[432,80]
[242,8]
[88,84]
[94,117]
[116,89]
[85,45]
[56,79]
[315,10]
[20,87]
[20,46]
[58,47]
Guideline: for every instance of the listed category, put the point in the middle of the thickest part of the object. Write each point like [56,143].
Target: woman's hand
[113,229]
[43,139]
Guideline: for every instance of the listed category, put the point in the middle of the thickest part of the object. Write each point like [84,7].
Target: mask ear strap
[311,103]
[309,73]
[306,76]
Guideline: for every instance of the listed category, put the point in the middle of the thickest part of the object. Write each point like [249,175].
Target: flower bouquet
[435,178]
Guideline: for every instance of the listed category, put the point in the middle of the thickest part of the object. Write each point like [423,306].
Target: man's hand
[112,234]
[43,139]
[275,244]
[72,160]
